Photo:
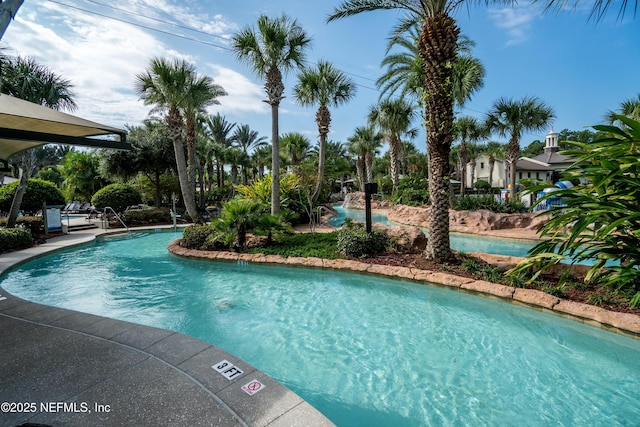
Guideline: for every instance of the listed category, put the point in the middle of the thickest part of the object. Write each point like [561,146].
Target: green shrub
[489,202]
[412,197]
[116,196]
[482,185]
[195,236]
[147,216]
[357,243]
[37,192]
[12,239]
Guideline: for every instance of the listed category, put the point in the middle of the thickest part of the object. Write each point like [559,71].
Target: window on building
[481,165]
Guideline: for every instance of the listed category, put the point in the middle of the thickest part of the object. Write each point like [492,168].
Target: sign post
[369,189]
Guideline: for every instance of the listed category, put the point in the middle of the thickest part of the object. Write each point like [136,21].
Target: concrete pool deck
[62,367]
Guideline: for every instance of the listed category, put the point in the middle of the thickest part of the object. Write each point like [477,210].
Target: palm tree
[405,71]
[165,84]
[218,129]
[438,51]
[296,147]
[629,108]
[368,141]
[261,157]
[326,86]
[199,93]
[275,47]
[247,140]
[511,118]
[237,158]
[25,79]
[393,119]
[494,150]
[468,130]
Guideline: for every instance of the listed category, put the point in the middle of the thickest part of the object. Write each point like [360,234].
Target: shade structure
[25,125]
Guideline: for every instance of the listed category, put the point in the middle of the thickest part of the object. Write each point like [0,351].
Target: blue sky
[580,68]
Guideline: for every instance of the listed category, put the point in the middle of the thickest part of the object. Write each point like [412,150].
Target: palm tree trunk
[437,48]
[368,162]
[174,126]
[275,163]
[513,150]
[323,118]
[20,190]
[394,158]
[492,163]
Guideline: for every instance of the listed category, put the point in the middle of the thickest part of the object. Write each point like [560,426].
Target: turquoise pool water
[365,351]
[459,241]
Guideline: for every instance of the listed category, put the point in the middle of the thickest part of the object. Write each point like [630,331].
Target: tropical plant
[151,156]
[325,86]
[628,108]
[511,118]
[276,47]
[468,130]
[248,141]
[168,85]
[438,51]
[218,129]
[296,147]
[599,218]
[261,158]
[25,79]
[239,215]
[405,71]
[81,173]
[393,119]
[365,143]
[494,150]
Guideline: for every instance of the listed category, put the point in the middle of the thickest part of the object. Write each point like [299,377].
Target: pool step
[81,227]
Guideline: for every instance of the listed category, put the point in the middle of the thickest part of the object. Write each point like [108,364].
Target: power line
[142,26]
[184,27]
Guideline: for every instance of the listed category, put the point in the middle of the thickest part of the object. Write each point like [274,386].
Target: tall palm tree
[199,93]
[393,119]
[165,85]
[25,79]
[296,147]
[272,49]
[468,130]
[438,50]
[511,118]
[218,129]
[247,140]
[325,86]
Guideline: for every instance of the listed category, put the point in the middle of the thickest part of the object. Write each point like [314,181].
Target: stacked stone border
[620,323]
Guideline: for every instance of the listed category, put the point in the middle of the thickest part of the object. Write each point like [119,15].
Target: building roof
[553,157]
[525,163]
[25,125]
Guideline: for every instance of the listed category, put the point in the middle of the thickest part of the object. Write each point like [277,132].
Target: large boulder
[356,200]
[406,238]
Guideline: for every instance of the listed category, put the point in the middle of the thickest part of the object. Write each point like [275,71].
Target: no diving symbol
[253,387]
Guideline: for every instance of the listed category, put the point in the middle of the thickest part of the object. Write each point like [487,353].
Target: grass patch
[320,245]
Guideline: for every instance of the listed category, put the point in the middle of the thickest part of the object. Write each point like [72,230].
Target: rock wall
[468,221]
[355,200]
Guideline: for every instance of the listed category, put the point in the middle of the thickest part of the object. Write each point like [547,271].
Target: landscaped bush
[195,236]
[489,202]
[357,243]
[116,196]
[482,185]
[147,216]
[37,192]
[12,239]
[412,191]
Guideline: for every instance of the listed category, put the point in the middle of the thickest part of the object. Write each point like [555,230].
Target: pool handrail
[106,219]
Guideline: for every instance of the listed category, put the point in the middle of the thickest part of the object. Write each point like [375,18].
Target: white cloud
[243,94]
[518,22]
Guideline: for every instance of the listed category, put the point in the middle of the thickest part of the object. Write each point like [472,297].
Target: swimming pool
[459,241]
[363,350]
